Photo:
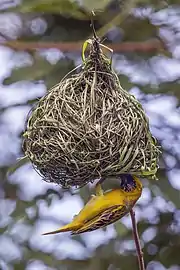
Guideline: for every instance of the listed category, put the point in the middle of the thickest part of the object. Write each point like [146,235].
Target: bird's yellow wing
[105,218]
[99,203]
[98,207]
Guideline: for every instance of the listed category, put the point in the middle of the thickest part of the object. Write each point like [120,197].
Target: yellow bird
[105,208]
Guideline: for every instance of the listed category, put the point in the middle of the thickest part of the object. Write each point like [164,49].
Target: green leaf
[125,82]
[39,69]
[22,161]
[64,7]
[120,228]
[168,88]
[95,5]
[58,72]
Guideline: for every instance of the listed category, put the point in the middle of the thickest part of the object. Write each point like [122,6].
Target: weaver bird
[105,208]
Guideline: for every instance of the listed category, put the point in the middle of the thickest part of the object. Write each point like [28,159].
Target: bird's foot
[128,204]
[99,190]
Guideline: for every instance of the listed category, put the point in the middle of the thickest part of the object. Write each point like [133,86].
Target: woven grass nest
[88,127]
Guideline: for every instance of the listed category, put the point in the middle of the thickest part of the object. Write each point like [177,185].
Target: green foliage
[20,162]
[39,69]
[66,7]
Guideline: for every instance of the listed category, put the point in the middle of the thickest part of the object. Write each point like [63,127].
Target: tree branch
[146,46]
[137,241]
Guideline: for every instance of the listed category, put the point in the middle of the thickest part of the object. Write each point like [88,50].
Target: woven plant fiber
[89,127]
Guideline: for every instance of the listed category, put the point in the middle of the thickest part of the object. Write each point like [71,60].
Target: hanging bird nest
[88,127]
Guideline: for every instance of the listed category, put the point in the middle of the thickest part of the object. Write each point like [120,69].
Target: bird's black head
[128,183]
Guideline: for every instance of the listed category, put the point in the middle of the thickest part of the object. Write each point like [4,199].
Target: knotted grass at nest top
[88,126]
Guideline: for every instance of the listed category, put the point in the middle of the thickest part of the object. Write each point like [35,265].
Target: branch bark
[145,46]
[137,241]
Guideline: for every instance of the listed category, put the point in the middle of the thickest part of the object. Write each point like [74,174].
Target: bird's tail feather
[66,228]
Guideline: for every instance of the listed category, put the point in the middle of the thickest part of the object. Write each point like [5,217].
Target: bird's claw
[99,190]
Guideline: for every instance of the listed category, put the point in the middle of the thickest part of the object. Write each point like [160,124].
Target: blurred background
[40,41]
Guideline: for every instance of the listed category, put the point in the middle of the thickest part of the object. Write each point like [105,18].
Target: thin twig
[137,241]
